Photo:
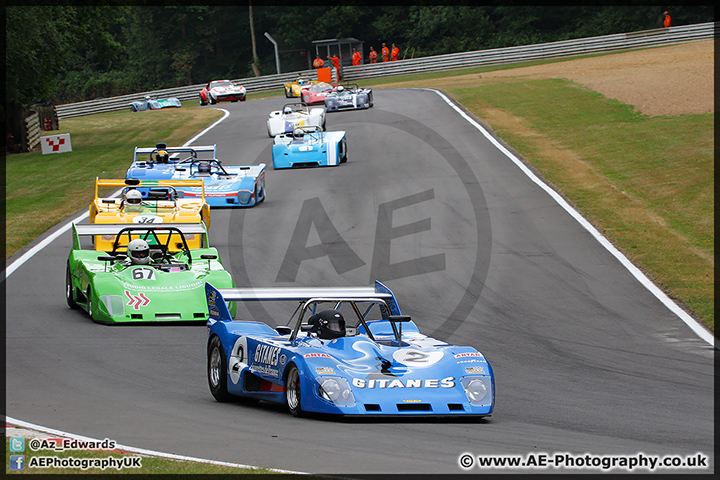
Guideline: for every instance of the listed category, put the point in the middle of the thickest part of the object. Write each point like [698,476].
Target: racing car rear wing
[106,232]
[132,182]
[218,308]
[115,228]
[174,150]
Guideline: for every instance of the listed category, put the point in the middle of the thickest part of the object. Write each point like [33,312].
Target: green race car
[168,287]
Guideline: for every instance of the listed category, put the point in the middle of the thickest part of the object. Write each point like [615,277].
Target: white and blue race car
[294,115]
[309,147]
[225,186]
[349,96]
[350,352]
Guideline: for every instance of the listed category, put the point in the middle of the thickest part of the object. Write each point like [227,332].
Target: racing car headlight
[478,390]
[244,197]
[336,390]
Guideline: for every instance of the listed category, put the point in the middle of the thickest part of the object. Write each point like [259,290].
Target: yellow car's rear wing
[132,182]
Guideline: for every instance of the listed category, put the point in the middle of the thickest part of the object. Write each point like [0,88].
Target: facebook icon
[17,462]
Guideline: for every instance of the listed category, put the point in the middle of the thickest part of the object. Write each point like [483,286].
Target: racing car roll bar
[313,295]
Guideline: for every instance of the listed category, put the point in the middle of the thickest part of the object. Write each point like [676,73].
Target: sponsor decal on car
[477,370]
[468,354]
[265,360]
[447,382]
[137,301]
[317,355]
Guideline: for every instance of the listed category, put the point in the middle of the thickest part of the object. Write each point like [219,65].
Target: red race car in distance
[316,93]
[221,91]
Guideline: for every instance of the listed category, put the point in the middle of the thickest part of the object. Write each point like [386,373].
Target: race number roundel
[238,359]
[147,219]
[417,358]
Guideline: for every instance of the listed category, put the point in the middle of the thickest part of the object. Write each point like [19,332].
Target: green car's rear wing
[158,232]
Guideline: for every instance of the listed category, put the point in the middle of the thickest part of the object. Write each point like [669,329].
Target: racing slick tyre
[287,93]
[217,371]
[292,392]
[202,101]
[69,289]
[343,151]
[212,100]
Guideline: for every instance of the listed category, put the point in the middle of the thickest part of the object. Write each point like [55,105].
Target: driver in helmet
[138,251]
[298,134]
[203,169]
[287,111]
[340,88]
[328,324]
[162,156]
[132,200]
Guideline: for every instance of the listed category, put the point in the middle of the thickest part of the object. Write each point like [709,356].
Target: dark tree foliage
[73,53]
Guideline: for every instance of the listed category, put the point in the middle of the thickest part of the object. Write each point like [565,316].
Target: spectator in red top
[335,61]
[356,57]
[667,21]
[318,62]
[395,53]
[372,55]
[385,53]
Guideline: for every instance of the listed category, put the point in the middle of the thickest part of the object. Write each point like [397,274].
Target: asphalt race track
[586,359]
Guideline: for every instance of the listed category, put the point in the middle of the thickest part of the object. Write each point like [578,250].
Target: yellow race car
[293,89]
[149,201]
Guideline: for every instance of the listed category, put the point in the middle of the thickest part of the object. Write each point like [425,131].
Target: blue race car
[350,352]
[225,186]
[150,103]
[349,96]
[309,146]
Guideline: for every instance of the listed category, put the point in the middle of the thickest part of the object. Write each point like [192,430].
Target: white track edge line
[140,451]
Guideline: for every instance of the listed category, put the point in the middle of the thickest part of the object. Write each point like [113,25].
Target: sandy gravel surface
[659,81]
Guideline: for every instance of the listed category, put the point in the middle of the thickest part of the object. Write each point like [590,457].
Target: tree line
[66,53]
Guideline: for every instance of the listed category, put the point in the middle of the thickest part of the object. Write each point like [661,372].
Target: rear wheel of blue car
[217,371]
[292,392]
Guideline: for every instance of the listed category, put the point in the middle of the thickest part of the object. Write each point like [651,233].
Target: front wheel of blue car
[217,371]
[292,392]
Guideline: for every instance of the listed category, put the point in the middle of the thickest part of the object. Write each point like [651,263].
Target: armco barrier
[567,48]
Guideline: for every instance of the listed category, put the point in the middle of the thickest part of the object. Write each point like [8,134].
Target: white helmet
[133,197]
[340,88]
[298,133]
[139,251]
[287,110]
